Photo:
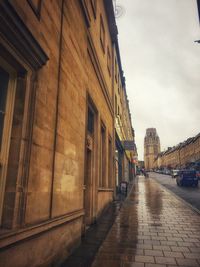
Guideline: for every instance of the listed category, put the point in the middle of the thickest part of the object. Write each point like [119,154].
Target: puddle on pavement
[141,210]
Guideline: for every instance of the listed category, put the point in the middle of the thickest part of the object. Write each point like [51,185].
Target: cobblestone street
[153,228]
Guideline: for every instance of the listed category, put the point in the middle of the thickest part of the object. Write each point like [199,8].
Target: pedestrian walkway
[153,228]
[94,237]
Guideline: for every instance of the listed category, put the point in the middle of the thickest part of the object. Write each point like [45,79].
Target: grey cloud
[161,64]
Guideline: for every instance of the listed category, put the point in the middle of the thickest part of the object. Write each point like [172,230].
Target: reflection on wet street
[153,228]
[189,193]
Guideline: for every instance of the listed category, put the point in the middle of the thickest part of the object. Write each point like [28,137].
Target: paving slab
[153,228]
[94,236]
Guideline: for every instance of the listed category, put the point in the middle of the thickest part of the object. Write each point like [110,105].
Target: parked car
[174,173]
[187,177]
[198,174]
[166,171]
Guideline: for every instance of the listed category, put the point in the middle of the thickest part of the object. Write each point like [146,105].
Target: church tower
[151,147]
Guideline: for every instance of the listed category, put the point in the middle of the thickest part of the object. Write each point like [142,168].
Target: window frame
[94,7]
[102,34]
[109,61]
[102,165]
[92,112]
[116,105]
[36,7]
[7,127]
[115,69]
[118,83]
[110,162]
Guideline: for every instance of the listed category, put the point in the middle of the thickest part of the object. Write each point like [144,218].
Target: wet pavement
[94,237]
[189,194]
[153,228]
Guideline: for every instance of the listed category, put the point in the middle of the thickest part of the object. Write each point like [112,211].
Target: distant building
[183,155]
[151,147]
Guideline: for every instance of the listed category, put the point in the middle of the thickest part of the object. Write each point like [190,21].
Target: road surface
[189,194]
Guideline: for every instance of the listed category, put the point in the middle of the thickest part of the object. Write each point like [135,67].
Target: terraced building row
[185,154]
[66,137]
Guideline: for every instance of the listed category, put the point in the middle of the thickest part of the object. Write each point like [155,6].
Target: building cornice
[114,37]
[181,145]
[14,30]
[114,33]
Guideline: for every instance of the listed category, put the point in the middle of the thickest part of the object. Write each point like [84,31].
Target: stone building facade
[124,134]
[58,63]
[183,155]
[131,157]
[151,147]
[125,148]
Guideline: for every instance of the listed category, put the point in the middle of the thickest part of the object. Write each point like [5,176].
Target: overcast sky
[161,64]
